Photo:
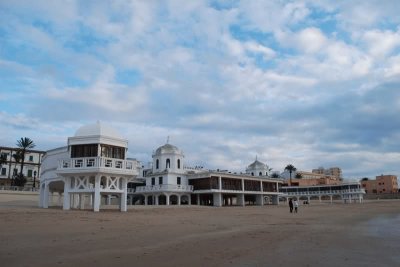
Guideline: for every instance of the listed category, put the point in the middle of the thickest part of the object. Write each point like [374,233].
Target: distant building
[320,176]
[33,160]
[383,184]
[333,171]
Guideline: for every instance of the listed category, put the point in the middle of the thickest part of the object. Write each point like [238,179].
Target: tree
[291,169]
[298,176]
[365,179]
[275,175]
[24,144]
[17,159]
[19,180]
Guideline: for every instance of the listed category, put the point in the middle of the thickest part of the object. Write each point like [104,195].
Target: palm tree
[17,159]
[24,144]
[291,169]
[275,175]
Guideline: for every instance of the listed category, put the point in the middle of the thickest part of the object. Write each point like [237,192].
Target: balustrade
[96,162]
[164,187]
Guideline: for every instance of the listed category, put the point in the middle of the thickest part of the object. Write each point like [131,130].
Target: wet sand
[319,235]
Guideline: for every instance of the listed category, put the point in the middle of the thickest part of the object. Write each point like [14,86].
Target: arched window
[179,163]
[168,164]
[260,174]
[252,174]
[157,164]
[266,173]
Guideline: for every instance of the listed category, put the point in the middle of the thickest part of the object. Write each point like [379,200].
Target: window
[112,152]
[80,151]
[168,164]
[30,158]
[3,171]
[252,174]
[179,163]
[159,180]
[178,180]
[29,173]
[260,174]
[153,181]
[157,164]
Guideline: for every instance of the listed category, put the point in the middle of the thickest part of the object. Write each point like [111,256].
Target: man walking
[291,205]
[296,205]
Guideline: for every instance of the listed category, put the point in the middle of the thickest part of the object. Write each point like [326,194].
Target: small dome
[257,165]
[97,129]
[167,148]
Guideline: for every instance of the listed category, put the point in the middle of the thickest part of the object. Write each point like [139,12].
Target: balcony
[98,164]
[162,188]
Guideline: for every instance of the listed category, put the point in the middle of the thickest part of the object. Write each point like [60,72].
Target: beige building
[333,171]
[33,159]
[383,184]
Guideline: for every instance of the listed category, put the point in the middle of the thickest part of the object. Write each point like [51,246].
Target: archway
[173,200]
[184,200]
[162,200]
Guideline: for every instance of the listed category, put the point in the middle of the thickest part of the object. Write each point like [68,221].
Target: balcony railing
[162,187]
[97,162]
[329,192]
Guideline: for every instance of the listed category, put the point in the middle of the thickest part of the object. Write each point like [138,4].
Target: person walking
[291,205]
[296,206]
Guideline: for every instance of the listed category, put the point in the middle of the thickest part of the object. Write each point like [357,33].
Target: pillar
[179,199]
[41,197]
[240,199]
[260,200]
[156,200]
[82,201]
[96,202]
[331,197]
[67,196]
[167,197]
[198,199]
[320,199]
[189,200]
[219,182]
[124,194]
[217,199]
[275,200]
[76,201]
[46,196]
[108,199]
[145,200]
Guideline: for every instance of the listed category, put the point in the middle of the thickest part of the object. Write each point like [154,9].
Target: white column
[190,200]
[167,197]
[275,200]
[242,184]
[124,194]
[259,200]
[81,201]
[108,199]
[217,199]
[240,199]
[96,202]
[320,199]
[156,199]
[41,197]
[145,200]
[179,200]
[219,182]
[198,199]
[67,196]
[46,196]
[331,199]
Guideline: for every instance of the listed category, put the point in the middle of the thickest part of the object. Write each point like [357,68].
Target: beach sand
[321,234]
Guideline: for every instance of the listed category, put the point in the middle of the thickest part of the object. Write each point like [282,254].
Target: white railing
[19,188]
[97,162]
[330,192]
[164,187]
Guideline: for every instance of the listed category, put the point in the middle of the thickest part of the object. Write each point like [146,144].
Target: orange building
[383,184]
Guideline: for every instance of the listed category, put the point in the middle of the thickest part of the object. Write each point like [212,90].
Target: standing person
[291,205]
[296,205]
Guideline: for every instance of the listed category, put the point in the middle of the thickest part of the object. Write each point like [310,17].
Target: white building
[89,171]
[92,169]
[31,170]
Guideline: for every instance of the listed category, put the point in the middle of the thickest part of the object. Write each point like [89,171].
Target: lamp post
[34,179]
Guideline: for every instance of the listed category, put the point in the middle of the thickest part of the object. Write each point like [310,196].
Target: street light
[34,179]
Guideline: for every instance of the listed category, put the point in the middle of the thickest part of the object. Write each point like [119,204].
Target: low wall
[10,198]
[382,196]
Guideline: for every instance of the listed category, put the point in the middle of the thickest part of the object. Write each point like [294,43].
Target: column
[67,196]
[46,196]
[189,199]
[242,184]
[156,200]
[108,199]
[275,200]
[217,199]
[81,201]
[259,200]
[41,196]
[145,200]
[124,194]
[96,202]
[167,197]
[219,182]
[331,197]
[240,199]
[320,199]
[198,199]
[179,199]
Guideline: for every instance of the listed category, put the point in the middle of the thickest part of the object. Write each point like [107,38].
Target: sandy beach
[321,234]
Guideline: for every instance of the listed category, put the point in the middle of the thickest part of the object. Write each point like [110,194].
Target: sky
[309,83]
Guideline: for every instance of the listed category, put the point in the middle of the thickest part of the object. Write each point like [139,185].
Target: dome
[97,129]
[257,165]
[167,148]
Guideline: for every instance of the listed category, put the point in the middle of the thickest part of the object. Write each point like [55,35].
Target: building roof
[168,149]
[97,129]
[256,165]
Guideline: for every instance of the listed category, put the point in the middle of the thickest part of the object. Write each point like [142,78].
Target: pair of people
[294,204]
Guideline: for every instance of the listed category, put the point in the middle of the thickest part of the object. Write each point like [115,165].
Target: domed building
[91,168]
[166,183]
[257,168]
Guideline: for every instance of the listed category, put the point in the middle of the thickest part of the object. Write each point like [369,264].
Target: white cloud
[381,43]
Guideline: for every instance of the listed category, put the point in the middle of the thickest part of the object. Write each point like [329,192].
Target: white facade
[90,171]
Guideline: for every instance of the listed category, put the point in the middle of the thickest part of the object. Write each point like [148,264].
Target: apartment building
[383,184]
